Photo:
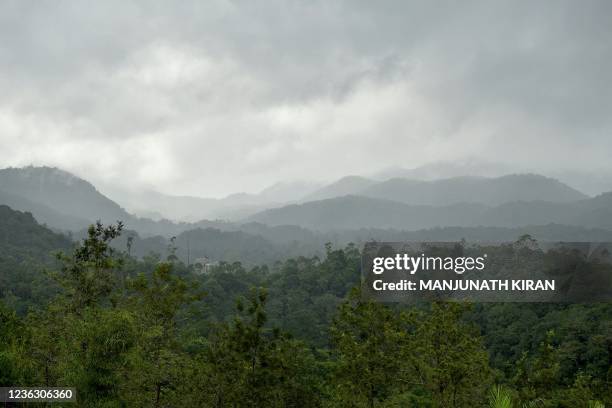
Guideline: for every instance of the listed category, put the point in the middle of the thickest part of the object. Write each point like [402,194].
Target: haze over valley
[292,218]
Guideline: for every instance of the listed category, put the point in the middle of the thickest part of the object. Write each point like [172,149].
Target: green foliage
[157,302]
[500,397]
[369,347]
[246,364]
[89,275]
[25,250]
[105,338]
[140,333]
[452,361]
[11,347]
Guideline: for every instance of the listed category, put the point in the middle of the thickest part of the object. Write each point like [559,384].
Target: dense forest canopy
[130,332]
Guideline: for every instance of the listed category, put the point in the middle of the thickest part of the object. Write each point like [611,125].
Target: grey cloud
[214,97]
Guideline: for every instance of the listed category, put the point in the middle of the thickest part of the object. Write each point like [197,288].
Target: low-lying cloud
[210,98]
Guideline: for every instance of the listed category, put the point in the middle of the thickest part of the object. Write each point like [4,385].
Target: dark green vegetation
[150,332]
[25,252]
[253,244]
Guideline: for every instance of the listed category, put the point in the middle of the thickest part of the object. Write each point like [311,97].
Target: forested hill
[26,249]
[66,202]
[126,332]
[355,212]
[60,191]
[43,213]
[21,237]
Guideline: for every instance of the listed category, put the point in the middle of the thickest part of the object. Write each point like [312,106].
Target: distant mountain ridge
[489,191]
[354,212]
[348,185]
[587,180]
[61,191]
[447,169]
[44,214]
[66,202]
[157,205]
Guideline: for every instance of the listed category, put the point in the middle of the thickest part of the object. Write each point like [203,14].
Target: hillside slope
[62,192]
[68,203]
[354,212]
[489,191]
[26,249]
[43,214]
[348,185]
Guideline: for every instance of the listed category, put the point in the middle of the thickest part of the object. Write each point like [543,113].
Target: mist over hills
[589,181]
[490,191]
[155,205]
[592,213]
[353,212]
[57,198]
[445,169]
[158,206]
[378,185]
[256,244]
[348,185]
[67,203]
[43,214]
[509,201]
[383,210]
[60,191]
[465,189]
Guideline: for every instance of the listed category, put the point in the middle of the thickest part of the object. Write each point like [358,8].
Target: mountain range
[60,191]
[66,202]
[291,220]
[354,212]
[489,191]
[156,205]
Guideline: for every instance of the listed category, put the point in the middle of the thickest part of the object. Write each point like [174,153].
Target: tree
[13,348]
[368,347]
[97,368]
[450,357]
[537,377]
[157,303]
[246,364]
[82,339]
[89,276]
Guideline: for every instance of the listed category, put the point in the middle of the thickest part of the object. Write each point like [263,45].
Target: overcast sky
[213,97]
